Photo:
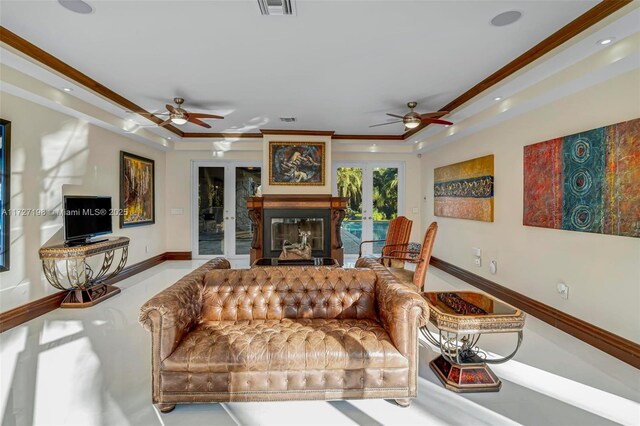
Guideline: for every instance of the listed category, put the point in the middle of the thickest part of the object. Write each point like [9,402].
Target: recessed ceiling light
[497,98]
[169,137]
[77,6]
[67,89]
[606,41]
[506,18]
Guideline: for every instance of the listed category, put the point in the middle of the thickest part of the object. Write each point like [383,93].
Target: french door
[220,220]
[376,195]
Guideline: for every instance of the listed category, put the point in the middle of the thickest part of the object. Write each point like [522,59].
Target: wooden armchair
[421,259]
[397,238]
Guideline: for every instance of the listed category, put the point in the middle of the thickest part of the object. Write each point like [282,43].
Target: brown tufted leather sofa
[273,334]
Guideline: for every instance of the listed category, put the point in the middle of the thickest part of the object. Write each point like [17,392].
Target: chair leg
[166,408]
[403,402]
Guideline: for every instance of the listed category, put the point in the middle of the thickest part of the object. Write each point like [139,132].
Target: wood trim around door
[617,346]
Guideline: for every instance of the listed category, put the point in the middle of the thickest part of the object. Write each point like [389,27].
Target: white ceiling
[337,65]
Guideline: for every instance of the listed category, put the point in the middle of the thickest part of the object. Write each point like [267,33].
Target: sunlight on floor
[92,367]
[587,398]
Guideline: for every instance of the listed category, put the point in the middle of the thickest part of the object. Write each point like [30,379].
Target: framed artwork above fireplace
[297,163]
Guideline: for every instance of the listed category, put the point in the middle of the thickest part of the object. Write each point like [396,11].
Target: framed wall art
[465,190]
[587,182]
[137,190]
[296,163]
[5,193]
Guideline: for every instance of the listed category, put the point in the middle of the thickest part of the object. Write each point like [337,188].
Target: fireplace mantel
[257,205]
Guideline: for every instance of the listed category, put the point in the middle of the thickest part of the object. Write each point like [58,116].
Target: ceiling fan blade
[395,115]
[436,121]
[436,114]
[384,124]
[202,115]
[147,113]
[194,120]
[171,109]
[165,122]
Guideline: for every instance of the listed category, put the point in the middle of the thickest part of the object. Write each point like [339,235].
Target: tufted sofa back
[278,293]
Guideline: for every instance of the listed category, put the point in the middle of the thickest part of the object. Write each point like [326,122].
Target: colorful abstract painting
[588,182]
[137,196]
[465,190]
[296,163]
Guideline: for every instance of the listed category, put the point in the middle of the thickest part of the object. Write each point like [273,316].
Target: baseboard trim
[617,346]
[23,313]
[177,255]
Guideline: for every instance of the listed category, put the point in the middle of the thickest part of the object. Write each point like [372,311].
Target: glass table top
[467,303]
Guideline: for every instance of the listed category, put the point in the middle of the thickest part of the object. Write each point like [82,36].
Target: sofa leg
[166,408]
[403,402]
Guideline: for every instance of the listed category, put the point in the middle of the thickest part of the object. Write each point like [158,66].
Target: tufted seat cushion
[298,344]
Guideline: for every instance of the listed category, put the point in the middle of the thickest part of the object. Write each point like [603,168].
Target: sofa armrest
[170,314]
[401,309]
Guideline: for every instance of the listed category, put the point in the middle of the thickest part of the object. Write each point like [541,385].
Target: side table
[461,317]
[85,288]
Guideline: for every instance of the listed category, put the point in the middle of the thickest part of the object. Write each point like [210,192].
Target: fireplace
[282,226]
[283,220]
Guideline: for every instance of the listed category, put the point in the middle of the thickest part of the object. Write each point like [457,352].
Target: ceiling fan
[178,115]
[413,119]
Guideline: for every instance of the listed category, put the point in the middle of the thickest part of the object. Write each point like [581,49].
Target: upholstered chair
[397,239]
[420,259]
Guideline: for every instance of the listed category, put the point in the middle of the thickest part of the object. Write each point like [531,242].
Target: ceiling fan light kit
[412,119]
[180,116]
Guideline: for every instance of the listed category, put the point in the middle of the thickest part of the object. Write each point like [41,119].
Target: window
[5,193]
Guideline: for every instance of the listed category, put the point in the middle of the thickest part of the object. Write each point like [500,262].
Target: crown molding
[369,137]
[572,29]
[297,132]
[31,50]
[575,27]
[188,135]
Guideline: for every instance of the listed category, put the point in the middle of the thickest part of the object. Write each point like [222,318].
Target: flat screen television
[86,217]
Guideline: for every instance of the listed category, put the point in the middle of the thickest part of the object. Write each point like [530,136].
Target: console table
[461,317]
[85,287]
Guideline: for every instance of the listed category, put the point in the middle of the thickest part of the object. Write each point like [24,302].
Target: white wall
[54,154]
[602,271]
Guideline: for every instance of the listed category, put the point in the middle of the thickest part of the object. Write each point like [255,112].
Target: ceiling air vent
[287,119]
[276,7]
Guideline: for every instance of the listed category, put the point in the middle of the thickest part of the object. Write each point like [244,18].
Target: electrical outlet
[146,249]
[478,261]
[563,290]
[493,267]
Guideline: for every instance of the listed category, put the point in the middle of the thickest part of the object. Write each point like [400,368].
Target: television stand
[84,288]
[76,243]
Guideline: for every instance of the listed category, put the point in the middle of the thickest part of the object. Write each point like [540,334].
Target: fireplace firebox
[288,220]
[285,226]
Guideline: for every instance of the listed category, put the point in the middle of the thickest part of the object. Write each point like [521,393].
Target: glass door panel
[247,182]
[349,183]
[385,202]
[211,210]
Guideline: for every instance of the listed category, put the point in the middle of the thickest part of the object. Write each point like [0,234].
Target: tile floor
[92,367]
